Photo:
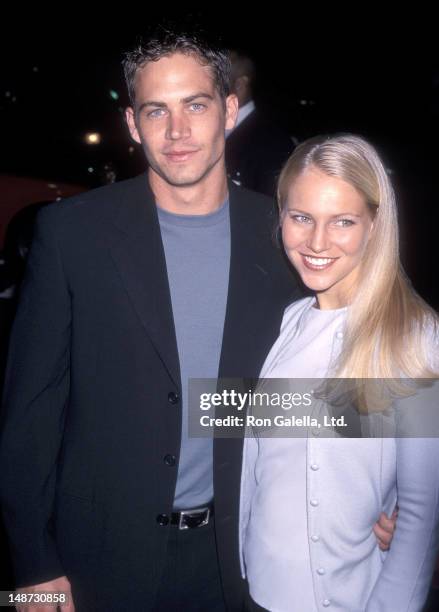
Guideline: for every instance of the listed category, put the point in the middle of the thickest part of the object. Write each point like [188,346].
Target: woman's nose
[318,239]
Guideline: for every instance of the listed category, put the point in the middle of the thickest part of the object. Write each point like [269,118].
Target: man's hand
[384,529]
[58,585]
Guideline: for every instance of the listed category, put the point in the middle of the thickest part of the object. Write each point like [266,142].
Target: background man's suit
[256,150]
[92,394]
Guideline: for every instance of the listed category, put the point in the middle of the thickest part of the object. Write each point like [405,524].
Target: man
[256,148]
[130,290]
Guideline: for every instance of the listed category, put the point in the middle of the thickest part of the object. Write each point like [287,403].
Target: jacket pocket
[78,530]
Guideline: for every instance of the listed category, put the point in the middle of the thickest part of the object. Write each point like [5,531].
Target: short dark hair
[165,41]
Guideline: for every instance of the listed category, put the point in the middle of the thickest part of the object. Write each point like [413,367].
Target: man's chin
[182,179]
[176,180]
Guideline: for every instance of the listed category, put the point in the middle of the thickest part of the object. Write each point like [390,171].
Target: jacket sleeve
[405,578]
[34,405]
[248,484]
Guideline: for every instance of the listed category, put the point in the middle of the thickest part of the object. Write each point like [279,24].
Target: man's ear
[231,111]
[131,122]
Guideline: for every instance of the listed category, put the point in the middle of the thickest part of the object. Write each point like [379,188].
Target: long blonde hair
[389,326]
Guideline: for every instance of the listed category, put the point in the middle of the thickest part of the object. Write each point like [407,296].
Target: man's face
[180,119]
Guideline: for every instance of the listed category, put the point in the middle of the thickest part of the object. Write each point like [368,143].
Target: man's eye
[196,106]
[158,112]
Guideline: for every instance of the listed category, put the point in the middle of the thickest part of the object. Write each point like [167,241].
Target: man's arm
[35,400]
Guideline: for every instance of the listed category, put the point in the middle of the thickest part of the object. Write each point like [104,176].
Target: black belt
[195,517]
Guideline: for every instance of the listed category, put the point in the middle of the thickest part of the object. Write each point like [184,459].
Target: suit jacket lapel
[140,259]
[247,302]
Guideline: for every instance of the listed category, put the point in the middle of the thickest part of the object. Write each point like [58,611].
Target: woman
[308,504]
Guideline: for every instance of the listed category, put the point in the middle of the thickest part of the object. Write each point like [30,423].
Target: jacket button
[173,397]
[169,460]
[162,519]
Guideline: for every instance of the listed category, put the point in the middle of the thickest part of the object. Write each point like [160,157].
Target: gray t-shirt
[197,251]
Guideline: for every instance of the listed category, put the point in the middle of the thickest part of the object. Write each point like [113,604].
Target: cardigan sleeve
[405,578]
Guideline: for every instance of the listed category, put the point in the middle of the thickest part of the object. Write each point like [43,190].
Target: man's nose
[178,127]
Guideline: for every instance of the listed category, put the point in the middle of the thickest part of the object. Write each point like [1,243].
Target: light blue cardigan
[308,505]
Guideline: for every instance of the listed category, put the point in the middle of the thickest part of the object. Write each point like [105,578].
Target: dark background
[330,70]
[317,72]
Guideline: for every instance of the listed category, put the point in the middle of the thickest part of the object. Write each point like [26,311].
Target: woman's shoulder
[428,341]
[295,310]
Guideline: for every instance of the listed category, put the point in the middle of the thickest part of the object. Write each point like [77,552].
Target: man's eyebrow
[157,104]
[151,103]
[197,95]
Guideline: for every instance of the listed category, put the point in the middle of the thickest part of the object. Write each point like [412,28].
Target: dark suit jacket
[255,152]
[91,389]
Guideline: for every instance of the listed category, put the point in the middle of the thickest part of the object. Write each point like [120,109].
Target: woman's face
[326,226]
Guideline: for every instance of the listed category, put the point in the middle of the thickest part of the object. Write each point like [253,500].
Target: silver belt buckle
[193,511]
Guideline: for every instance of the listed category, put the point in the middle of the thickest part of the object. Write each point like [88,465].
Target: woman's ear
[373,211]
[372,226]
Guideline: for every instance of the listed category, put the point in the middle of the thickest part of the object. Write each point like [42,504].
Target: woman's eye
[344,222]
[300,218]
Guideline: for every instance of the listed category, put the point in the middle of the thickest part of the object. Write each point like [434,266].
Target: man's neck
[202,198]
